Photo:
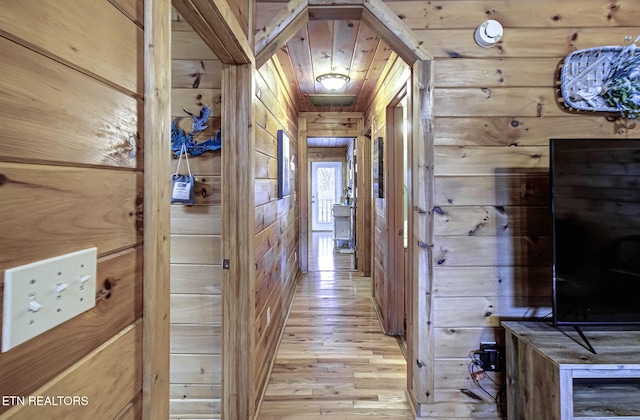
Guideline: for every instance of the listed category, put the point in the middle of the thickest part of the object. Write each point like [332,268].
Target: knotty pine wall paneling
[71,178]
[276,220]
[242,11]
[329,124]
[196,255]
[495,111]
[397,74]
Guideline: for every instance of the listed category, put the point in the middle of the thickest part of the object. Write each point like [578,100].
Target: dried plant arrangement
[603,79]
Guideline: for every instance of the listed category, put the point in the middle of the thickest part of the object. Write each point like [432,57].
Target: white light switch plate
[44,294]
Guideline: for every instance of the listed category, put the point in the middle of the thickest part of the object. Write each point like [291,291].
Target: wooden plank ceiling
[340,43]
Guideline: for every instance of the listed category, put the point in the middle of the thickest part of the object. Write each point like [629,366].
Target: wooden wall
[330,124]
[276,224]
[397,74]
[495,110]
[330,154]
[243,12]
[71,161]
[196,270]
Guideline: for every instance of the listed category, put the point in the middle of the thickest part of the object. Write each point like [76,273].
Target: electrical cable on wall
[478,373]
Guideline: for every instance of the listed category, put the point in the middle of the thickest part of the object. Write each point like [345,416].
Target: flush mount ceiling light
[488,33]
[333,81]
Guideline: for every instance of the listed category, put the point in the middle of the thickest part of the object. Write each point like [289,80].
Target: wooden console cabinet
[551,375]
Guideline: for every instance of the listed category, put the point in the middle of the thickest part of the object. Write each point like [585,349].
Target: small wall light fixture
[488,33]
[333,81]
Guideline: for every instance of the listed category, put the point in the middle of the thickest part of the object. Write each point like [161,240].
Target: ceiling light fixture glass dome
[333,81]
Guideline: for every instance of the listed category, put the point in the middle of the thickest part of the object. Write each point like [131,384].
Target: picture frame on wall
[378,168]
[284,168]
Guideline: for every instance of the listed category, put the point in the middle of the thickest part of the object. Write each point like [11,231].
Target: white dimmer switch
[44,294]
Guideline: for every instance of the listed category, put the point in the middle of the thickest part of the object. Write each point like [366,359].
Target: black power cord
[477,374]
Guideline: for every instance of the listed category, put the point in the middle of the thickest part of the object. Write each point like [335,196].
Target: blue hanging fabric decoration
[200,120]
[180,138]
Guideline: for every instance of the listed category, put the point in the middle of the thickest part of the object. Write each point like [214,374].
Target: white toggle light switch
[34,306]
[44,294]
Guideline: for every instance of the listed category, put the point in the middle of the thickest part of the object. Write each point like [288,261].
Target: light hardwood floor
[333,361]
[325,256]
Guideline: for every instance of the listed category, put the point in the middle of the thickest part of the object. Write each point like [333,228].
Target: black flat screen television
[595,189]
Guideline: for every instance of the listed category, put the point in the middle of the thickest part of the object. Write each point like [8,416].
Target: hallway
[333,361]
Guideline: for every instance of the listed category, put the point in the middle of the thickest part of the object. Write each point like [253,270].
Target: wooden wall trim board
[244,12]
[421,240]
[156,343]
[395,191]
[303,182]
[395,32]
[134,9]
[380,248]
[409,249]
[363,205]
[195,21]
[386,273]
[345,11]
[217,25]
[238,237]
[279,30]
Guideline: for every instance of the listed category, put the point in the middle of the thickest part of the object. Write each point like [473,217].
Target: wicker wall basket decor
[583,77]
[605,79]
